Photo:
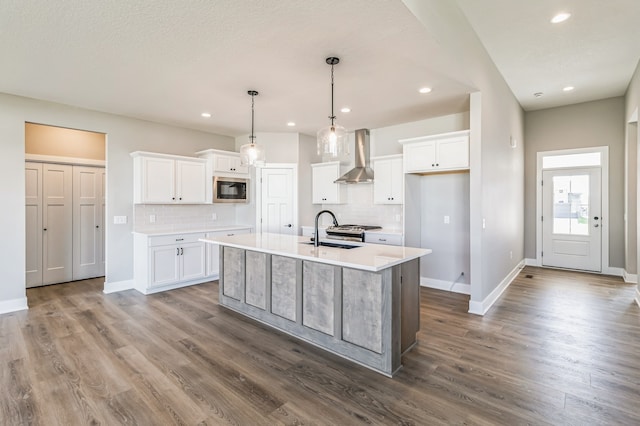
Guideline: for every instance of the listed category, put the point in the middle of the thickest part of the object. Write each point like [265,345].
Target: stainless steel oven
[230,190]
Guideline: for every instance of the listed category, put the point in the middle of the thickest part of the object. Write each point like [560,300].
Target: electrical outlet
[446,219]
[152,218]
[510,254]
[119,220]
[484,223]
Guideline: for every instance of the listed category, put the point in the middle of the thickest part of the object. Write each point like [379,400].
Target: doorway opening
[572,204]
[65,192]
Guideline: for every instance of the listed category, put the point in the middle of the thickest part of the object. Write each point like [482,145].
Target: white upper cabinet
[224,163]
[168,179]
[388,179]
[436,153]
[325,191]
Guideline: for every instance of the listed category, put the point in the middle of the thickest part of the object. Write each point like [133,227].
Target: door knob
[596,225]
[595,218]
[288,226]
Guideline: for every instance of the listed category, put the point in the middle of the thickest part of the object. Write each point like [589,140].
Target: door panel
[33,207]
[571,227]
[277,201]
[87,222]
[57,223]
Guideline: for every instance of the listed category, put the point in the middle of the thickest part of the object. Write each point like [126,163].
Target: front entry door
[571,221]
[278,201]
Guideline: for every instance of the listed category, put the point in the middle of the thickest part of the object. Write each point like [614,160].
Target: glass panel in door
[571,204]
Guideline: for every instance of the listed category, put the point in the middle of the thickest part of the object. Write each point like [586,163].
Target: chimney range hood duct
[361,173]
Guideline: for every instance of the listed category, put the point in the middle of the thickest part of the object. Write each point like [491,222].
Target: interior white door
[571,221]
[57,228]
[33,207]
[277,209]
[87,222]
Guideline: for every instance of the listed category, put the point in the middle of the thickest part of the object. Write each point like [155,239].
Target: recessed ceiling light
[538,94]
[425,90]
[206,115]
[560,17]
[568,88]
[345,109]
[291,124]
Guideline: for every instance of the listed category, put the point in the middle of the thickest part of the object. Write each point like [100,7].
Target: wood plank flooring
[557,348]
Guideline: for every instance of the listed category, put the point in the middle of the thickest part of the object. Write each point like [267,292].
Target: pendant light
[333,141]
[252,154]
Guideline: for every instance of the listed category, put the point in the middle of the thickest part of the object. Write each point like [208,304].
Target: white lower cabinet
[213,250]
[163,262]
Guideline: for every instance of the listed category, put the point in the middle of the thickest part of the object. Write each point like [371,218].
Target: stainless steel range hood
[361,173]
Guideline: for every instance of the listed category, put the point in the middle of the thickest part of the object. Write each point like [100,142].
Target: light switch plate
[446,219]
[119,220]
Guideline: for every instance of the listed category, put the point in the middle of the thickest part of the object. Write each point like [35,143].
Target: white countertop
[368,257]
[192,231]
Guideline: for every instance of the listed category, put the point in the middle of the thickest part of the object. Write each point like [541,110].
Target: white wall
[124,135]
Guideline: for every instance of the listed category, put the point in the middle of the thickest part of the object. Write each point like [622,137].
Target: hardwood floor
[557,348]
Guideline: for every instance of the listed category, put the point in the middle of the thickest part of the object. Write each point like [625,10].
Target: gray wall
[589,124]
[124,135]
[307,155]
[445,195]
[632,104]
[496,177]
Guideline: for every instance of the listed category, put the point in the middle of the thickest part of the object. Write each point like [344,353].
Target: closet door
[88,205]
[33,207]
[57,238]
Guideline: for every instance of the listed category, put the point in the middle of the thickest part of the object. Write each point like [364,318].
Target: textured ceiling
[169,60]
[596,50]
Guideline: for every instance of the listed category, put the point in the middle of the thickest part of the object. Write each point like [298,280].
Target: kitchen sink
[336,245]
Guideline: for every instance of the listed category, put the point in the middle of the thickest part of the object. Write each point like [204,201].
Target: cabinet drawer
[380,238]
[163,240]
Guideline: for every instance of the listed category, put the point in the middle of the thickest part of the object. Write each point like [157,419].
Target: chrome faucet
[316,236]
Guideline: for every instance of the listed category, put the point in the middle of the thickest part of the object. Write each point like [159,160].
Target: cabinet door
[164,265]
[190,182]
[420,157]
[325,191]
[388,181]
[229,164]
[158,180]
[397,182]
[193,260]
[453,153]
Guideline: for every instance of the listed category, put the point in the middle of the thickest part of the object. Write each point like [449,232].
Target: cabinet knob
[173,198]
[97,226]
[44,229]
[180,198]
[433,165]
[437,164]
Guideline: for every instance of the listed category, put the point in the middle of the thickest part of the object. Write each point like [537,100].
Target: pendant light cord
[252,93]
[333,116]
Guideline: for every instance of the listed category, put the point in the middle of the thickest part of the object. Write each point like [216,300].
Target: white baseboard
[638,296]
[629,278]
[117,286]
[531,262]
[617,272]
[445,285]
[481,308]
[12,305]
[147,291]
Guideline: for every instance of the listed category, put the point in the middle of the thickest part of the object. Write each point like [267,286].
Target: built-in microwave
[230,190]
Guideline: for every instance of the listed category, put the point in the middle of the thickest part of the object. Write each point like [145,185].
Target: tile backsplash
[170,217]
[361,210]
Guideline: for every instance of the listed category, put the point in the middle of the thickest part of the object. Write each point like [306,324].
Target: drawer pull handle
[382,239]
[179,239]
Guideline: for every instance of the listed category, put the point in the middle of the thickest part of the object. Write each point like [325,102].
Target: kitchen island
[361,303]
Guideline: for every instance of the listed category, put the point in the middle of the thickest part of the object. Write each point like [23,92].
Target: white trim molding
[454,287]
[604,166]
[38,158]
[629,278]
[118,286]
[481,308]
[638,296]
[531,262]
[13,305]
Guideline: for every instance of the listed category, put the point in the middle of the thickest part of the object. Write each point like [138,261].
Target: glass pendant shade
[333,141]
[252,154]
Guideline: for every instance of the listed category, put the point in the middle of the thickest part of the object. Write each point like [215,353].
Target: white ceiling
[169,60]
